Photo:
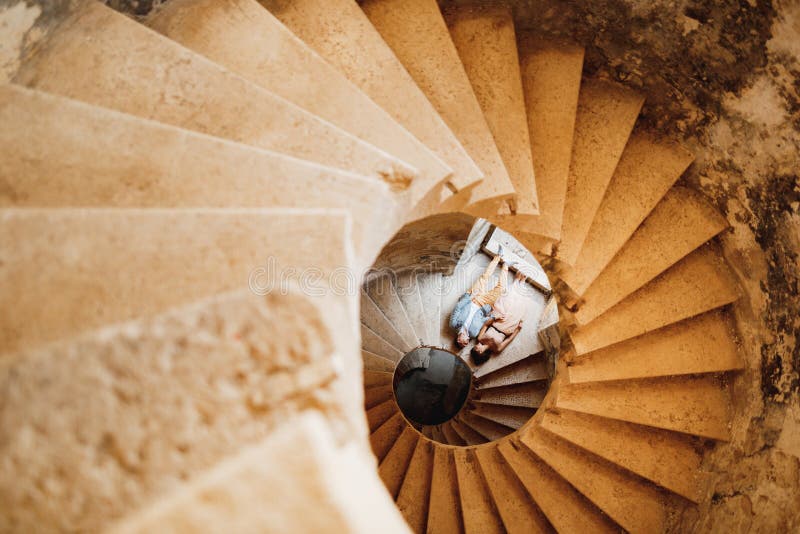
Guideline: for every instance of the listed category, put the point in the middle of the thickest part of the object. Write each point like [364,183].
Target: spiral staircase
[155,174]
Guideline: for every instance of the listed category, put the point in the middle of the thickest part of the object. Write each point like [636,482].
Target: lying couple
[493,317]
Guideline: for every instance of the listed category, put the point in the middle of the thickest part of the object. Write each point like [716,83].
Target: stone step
[444,511]
[604,120]
[415,494]
[376,378]
[528,395]
[342,34]
[373,318]
[438,434]
[647,169]
[485,427]
[518,512]
[279,61]
[665,458]
[487,46]
[106,59]
[510,416]
[701,344]
[418,35]
[468,435]
[386,435]
[430,292]
[551,80]
[700,282]
[130,263]
[373,362]
[379,414]
[680,223]
[631,502]
[378,395]
[372,342]
[477,506]
[58,152]
[693,405]
[409,295]
[393,467]
[530,369]
[384,294]
[565,508]
[452,436]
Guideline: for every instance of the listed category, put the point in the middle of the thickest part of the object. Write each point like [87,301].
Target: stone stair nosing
[376,378]
[647,169]
[129,68]
[384,438]
[393,467]
[486,43]
[280,62]
[529,369]
[373,362]
[511,416]
[452,437]
[418,35]
[477,506]
[383,293]
[372,342]
[380,413]
[409,295]
[378,395]
[415,494]
[467,434]
[527,395]
[604,121]
[373,318]
[444,512]
[489,429]
[342,34]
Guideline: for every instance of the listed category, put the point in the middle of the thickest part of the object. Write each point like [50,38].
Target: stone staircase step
[487,46]
[477,506]
[665,458]
[377,378]
[127,67]
[130,263]
[444,511]
[468,435]
[59,152]
[680,223]
[408,293]
[373,318]
[528,395]
[342,34]
[379,414]
[631,502]
[418,35]
[280,62]
[430,291]
[647,169]
[551,79]
[452,436]
[489,429]
[693,405]
[510,416]
[384,294]
[700,282]
[415,494]
[394,465]
[372,342]
[377,395]
[386,435]
[518,512]
[701,344]
[530,369]
[604,120]
[373,362]
[439,435]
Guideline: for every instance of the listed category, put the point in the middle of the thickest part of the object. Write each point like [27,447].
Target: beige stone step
[551,80]
[373,362]
[280,62]
[529,369]
[438,434]
[666,458]
[385,436]
[393,467]
[485,427]
[701,344]
[510,416]
[700,282]
[699,406]
[415,494]
[376,378]
[518,512]
[104,58]
[408,293]
[58,152]
[430,293]
[378,395]
[444,511]
[528,395]
[565,508]
[605,118]
[477,506]
[129,263]
[379,414]
[647,169]
[342,34]
[468,435]
[631,502]
[487,46]
[680,223]
[418,35]
[373,318]
[372,342]
[384,294]
[452,436]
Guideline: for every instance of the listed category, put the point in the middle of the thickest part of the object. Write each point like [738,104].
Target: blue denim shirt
[461,312]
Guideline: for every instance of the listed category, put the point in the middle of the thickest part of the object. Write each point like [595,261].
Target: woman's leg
[480,285]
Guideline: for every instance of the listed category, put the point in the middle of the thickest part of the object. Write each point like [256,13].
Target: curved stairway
[154,173]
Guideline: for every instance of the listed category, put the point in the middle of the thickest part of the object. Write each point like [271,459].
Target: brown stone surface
[444,514]
[395,464]
[384,437]
[414,497]
[477,506]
